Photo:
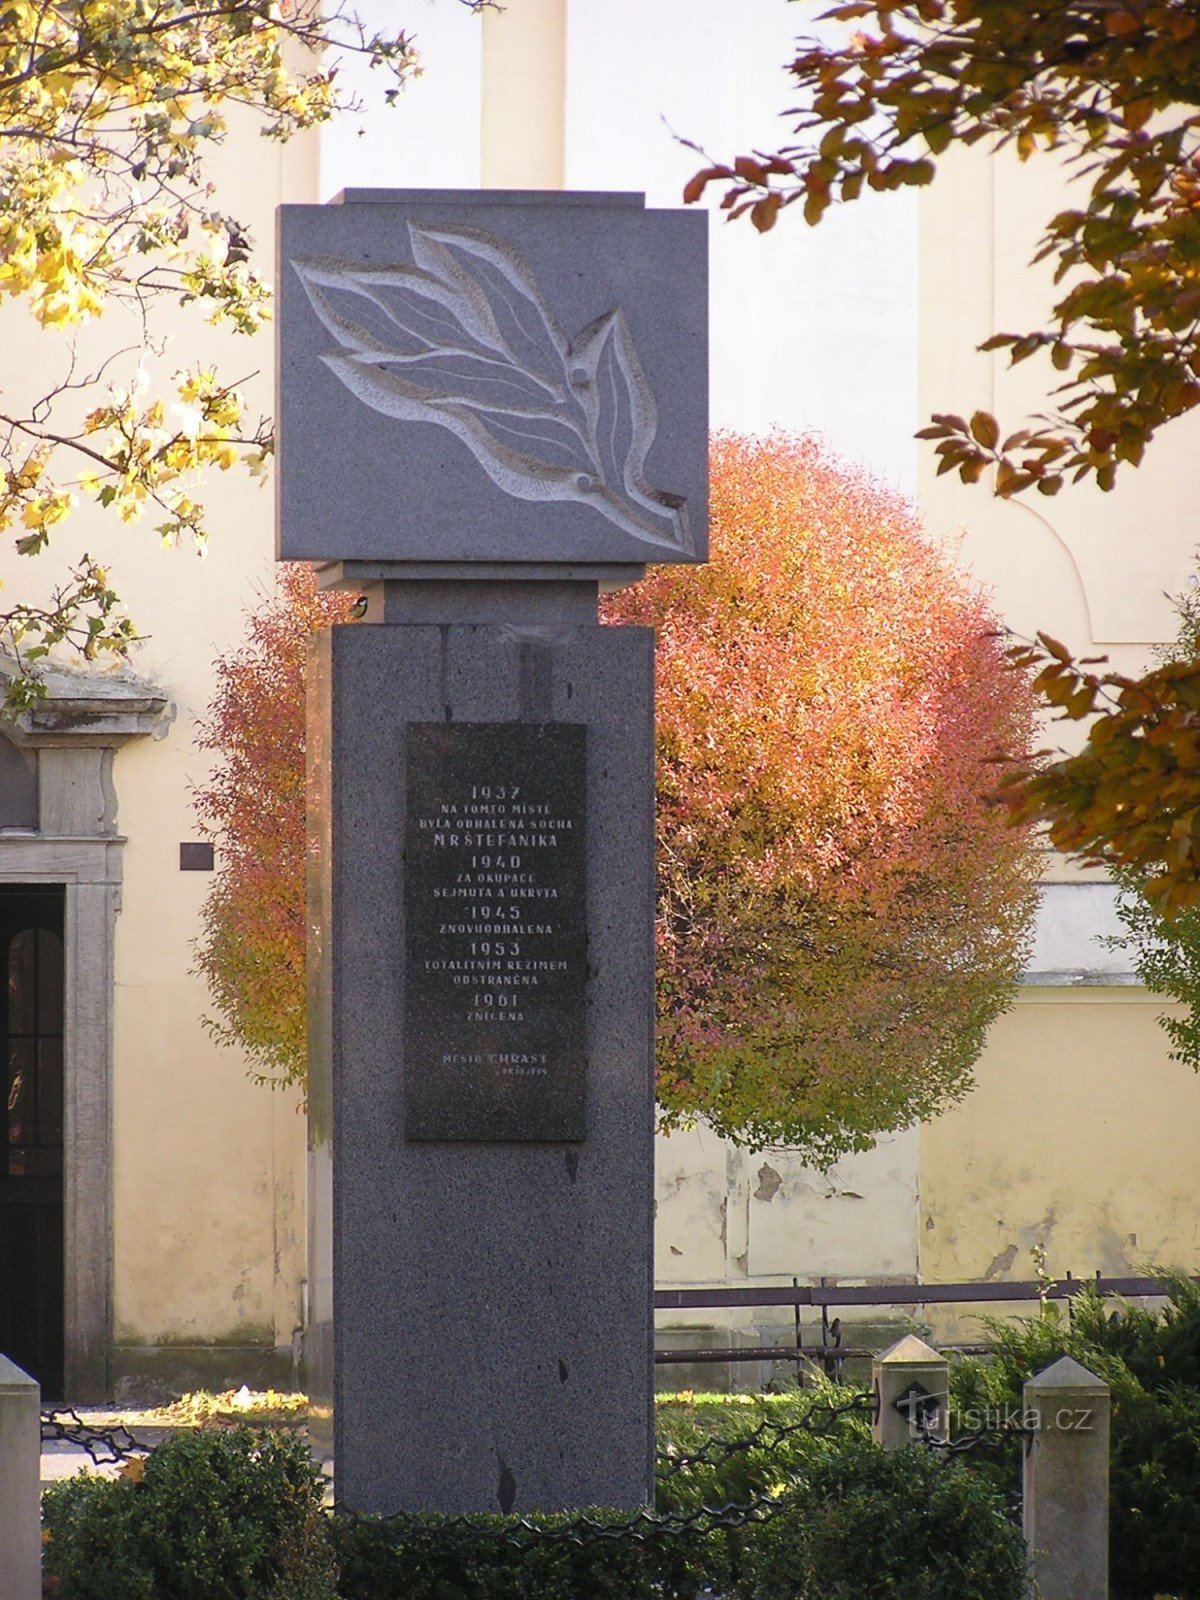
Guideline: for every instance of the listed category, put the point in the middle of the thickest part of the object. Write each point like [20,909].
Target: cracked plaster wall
[1081,1137]
[731,1217]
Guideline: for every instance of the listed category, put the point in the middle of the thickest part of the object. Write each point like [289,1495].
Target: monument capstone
[492,377]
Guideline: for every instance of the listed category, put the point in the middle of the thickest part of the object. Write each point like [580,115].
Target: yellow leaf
[984,429]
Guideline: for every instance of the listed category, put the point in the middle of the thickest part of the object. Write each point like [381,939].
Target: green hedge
[776,1435]
[424,1557]
[235,1516]
[863,1523]
[215,1516]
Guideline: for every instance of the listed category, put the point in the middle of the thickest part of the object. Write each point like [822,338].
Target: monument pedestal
[481,1069]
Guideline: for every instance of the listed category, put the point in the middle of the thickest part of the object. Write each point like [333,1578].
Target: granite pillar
[911,1387]
[491,1296]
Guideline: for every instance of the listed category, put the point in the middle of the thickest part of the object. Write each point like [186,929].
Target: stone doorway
[31,1131]
[60,864]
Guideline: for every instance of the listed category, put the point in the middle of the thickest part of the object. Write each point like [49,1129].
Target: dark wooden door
[31,1131]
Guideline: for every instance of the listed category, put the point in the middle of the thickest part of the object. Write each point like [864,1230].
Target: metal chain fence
[978,1439]
[982,1441]
[523,1533]
[105,1446]
[115,1445]
[819,1420]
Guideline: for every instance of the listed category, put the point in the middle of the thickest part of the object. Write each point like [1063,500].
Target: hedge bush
[852,1521]
[774,1436]
[236,1516]
[902,1524]
[425,1557]
[213,1516]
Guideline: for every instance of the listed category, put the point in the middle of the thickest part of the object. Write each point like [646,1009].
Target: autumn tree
[1130,799]
[1111,87]
[1165,952]
[107,110]
[1162,925]
[251,947]
[840,914]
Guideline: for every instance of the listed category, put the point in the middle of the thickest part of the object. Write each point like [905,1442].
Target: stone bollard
[1066,1481]
[910,1385]
[20,1476]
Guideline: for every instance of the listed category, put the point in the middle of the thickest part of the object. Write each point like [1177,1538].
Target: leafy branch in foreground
[82,613]
[1165,952]
[1114,89]
[1131,797]
[1129,801]
[107,111]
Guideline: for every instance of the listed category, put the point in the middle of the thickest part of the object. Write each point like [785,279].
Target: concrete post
[910,1385]
[1066,1481]
[20,1471]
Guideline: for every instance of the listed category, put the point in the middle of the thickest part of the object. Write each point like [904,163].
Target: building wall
[731,1217]
[209,1238]
[1081,1137]
[1081,1134]
[207,1169]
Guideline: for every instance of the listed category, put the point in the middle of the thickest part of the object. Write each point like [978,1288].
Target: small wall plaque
[495,1039]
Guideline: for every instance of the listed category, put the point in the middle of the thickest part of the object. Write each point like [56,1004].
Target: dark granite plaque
[495,958]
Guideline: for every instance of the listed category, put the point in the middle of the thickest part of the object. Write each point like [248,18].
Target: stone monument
[492,406]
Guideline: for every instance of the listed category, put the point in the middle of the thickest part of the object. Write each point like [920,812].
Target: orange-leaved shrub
[841,911]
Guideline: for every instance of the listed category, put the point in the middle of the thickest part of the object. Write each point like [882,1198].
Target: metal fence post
[1066,1481]
[909,1381]
[20,1477]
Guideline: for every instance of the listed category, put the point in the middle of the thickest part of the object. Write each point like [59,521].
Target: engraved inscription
[496,935]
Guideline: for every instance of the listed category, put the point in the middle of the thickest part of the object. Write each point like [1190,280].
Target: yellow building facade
[181,1252]
[1082,1136]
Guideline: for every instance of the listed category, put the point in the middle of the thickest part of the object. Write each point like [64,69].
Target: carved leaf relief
[464,338]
